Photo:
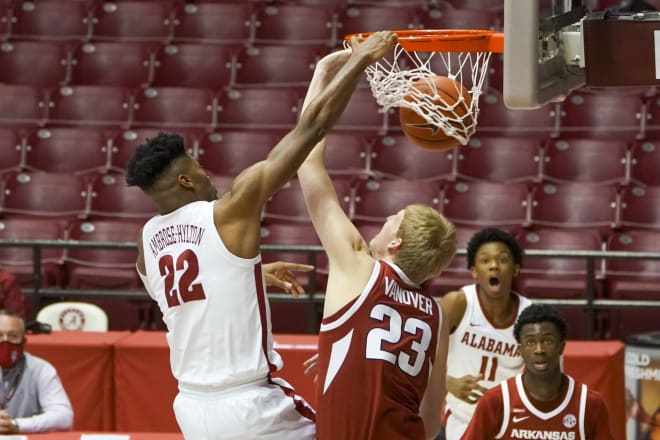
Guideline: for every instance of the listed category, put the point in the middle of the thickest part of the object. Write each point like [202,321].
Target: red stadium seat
[633,279]
[19,260]
[494,117]
[37,63]
[594,161]
[362,114]
[575,205]
[230,152]
[62,196]
[113,64]
[455,18]
[22,105]
[288,205]
[173,107]
[483,204]
[645,163]
[294,24]
[500,159]
[52,20]
[178,65]
[124,144]
[375,200]
[198,22]
[276,66]
[259,108]
[67,150]
[346,154]
[102,268]
[356,19]
[112,199]
[5,18]
[395,156]
[96,106]
[13,150]
[602,115]
[134,21]
[640,207]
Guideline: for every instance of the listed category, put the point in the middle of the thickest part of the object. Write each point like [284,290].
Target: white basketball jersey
[478,347]
[213,302]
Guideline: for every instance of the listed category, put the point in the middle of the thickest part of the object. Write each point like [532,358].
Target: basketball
[443,91]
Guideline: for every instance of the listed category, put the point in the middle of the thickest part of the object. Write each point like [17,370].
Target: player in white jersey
[200,261]
[482,348]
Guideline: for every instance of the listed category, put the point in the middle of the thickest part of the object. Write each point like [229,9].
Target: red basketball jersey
[375,356]
[507,412]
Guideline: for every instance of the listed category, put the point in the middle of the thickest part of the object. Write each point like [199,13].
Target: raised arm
[239,210]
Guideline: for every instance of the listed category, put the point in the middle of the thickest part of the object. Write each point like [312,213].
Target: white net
[393,79]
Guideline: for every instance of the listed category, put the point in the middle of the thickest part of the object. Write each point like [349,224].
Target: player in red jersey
[382,343]
[542,402]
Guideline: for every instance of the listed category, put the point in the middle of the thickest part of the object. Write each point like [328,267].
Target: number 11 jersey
[375,355]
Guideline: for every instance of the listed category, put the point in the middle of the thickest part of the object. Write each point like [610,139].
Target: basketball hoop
[464,57]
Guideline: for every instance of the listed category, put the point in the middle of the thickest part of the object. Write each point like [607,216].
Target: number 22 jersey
[375,355]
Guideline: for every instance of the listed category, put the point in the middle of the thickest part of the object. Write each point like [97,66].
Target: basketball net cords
[391,82]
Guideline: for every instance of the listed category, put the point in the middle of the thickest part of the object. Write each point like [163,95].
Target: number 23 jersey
[375,356]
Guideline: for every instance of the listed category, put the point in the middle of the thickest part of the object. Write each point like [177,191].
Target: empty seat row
[242,22]
[352,154]
[467,203]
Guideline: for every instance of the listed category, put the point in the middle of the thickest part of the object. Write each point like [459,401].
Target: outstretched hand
[280,274]
[375,46]
[466,388]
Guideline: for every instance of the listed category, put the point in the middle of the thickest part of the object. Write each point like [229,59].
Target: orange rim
[446,40]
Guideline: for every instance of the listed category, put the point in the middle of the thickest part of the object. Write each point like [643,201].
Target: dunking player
[382,342]
[482,348]
[542,402]
[200,261]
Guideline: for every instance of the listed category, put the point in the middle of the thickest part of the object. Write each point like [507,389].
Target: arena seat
[112,199]
[347,154]
[52,20]
[13,149]
[494,117]
[259,108]
[20,260]
[288,204]
[60,196]
[640,207]
[231,151]
[113,64]
[36,63]
[173,107]
[22,106]
[375,200]
[276,66]
[500,159]
[134,21]
[575,205]
[601,115]
[178,65]
[90,105]
[483,204]
[356,19]
[394,156]
[81,316]
[457,18]
[67,150]
[633,279]
[197,22]
[645,162]
[296,24]
[362,114]
[5,18]
[581,160]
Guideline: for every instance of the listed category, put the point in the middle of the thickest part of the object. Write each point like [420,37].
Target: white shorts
[454,428]
[265,411]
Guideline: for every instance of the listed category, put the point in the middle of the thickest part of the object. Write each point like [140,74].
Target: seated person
[32,398]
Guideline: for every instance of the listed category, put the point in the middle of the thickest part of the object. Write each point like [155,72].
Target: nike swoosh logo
[520,419]
[472,324]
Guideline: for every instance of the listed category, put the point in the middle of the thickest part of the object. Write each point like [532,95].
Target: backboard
[543,50]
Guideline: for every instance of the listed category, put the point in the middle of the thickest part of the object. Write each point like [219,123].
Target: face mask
[10,353]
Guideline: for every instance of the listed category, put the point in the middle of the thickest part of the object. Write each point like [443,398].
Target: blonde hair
[428,242]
